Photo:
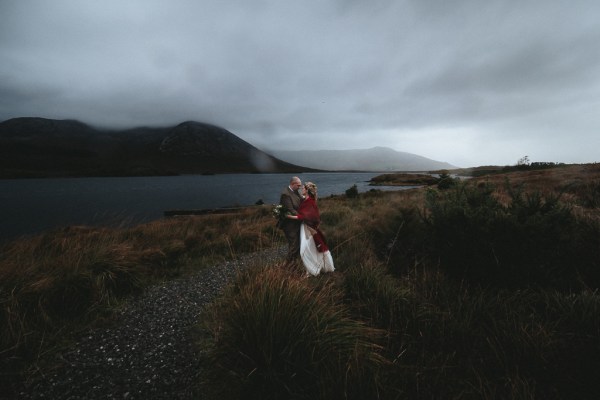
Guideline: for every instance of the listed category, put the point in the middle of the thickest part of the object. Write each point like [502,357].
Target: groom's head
[295,183]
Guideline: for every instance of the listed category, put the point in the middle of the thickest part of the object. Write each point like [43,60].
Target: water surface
[34,205]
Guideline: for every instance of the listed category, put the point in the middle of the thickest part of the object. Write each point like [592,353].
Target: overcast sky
[468,82]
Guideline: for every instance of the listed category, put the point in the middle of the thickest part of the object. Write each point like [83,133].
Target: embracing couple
[301,227]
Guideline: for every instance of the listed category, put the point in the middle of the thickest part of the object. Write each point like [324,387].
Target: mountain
[374,159]
[38,147]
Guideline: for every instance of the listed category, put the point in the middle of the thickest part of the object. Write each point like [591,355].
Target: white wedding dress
[314,261]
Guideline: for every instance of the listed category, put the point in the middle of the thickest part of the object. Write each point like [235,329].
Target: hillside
[38,147]
[373,159]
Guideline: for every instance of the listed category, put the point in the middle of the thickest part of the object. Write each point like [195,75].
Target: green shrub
[445,181]
[401,241]
[587,193]
[352,192]
[466,342]
[534,240]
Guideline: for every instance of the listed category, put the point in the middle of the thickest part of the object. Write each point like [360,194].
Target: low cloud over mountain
[37,147]
[374,159]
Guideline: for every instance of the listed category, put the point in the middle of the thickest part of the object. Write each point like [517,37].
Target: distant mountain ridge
[39,147]
[376,159]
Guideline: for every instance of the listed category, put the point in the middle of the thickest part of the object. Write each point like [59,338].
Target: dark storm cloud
[467,82]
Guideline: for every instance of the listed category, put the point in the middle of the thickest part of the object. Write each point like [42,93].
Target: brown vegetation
[448,333]
[577,185]
[55,283]
[397,291]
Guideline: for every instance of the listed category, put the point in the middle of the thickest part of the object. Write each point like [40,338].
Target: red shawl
[309,213]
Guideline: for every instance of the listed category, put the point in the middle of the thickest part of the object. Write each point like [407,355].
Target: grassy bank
[55,284]
[483,289]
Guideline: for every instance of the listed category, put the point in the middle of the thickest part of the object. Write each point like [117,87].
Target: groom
[291,199]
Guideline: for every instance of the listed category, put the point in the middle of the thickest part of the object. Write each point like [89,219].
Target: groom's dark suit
[291,227]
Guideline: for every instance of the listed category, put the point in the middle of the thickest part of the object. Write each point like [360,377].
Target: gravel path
[149,352]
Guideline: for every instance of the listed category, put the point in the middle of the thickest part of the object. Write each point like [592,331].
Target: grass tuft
[277,336]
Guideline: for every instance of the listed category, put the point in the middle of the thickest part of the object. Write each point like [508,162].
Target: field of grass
[57,283]
[486,288]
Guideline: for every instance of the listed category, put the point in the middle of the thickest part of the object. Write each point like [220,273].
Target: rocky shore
[149,353]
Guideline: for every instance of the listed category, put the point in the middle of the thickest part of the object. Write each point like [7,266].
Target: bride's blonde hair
[311,188]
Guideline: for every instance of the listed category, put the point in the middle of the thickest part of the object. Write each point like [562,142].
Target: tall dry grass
[393,321]
[445,335]
[280,337]
[55,283]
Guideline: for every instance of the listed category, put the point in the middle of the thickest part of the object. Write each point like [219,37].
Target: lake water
[30,206]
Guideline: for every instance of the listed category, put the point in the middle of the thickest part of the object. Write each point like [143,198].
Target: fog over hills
[39,147]
[373,159]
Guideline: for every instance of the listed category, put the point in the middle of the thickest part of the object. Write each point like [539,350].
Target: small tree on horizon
[524,161]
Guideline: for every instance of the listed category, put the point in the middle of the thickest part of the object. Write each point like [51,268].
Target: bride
[313,249]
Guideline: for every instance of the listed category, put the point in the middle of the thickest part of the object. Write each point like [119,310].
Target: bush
[445,181]
[532,241]
[352,192]
[472,343]
[588,193]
